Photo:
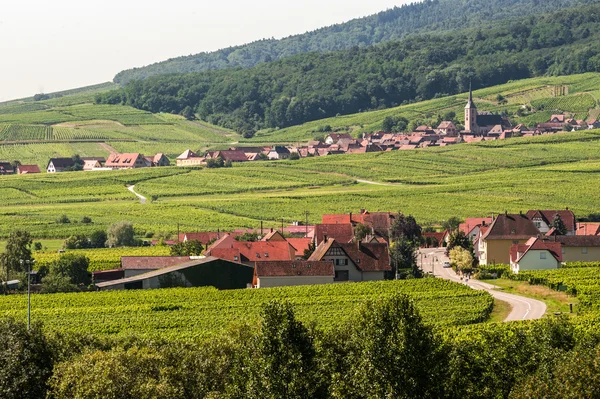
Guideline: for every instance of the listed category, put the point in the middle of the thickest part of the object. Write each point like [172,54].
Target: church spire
[470,103]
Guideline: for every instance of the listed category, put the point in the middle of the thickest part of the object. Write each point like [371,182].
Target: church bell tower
[470,114]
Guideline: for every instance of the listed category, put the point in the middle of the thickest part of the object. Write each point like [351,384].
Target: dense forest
[313,86]
[393,24]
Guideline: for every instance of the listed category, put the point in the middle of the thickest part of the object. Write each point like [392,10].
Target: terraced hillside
[545,172]
[528,101]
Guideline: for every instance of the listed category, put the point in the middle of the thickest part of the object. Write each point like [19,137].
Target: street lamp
[28,262]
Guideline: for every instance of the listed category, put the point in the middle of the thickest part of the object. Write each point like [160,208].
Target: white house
[536,254]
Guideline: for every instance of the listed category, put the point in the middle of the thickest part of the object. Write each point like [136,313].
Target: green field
[470,180]
[201,312]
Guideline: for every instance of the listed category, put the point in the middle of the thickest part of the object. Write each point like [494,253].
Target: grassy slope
[33,132]
[583,101]
[433,185]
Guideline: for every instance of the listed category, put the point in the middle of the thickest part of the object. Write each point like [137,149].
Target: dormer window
[235,258]
[266,254]
[257,255]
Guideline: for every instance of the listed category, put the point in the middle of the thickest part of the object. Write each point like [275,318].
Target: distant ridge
[393,24]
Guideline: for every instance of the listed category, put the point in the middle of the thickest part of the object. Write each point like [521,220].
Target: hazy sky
[52,45]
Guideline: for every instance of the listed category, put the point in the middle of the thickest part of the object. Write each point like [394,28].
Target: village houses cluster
[479,126]
[330,252]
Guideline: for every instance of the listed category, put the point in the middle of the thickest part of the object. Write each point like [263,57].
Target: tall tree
[17,253]
[405,237]
[452,224]
[559,225]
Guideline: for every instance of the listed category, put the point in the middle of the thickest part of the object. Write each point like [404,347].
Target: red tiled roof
[151,262]
[588,229]
[230,254]
[536,244]
[371,257]
[471,223]
[300,244]
[28,169]
[230,155]
[511,227]
[294,268]
[342,232]
[567,216]
[124,160]
[576,241]
[265,250]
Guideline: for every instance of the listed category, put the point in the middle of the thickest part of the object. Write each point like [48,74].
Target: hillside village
[479,127]
[356,247]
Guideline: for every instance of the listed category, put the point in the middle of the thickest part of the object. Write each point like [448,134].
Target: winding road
[432,260]
[141,197]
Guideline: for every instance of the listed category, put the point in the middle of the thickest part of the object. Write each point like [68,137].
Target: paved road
[141,197]
[431,261]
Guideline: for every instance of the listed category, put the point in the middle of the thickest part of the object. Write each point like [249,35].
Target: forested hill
[427,16]
[313,86]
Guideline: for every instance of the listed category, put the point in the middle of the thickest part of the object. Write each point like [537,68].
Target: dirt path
[141,197]
[376,183]
[108,148]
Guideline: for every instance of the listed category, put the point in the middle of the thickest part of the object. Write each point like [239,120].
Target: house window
[341,262]
[542,255]
[584,250]
[538,224]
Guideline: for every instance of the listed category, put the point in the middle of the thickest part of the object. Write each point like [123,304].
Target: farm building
[56,165]
[27,169]
[292,273]
[209,271]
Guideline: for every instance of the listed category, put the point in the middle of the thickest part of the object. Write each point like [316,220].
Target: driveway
[431,260]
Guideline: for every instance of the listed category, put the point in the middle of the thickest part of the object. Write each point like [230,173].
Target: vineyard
[103,258]
[201,312]
[579,279]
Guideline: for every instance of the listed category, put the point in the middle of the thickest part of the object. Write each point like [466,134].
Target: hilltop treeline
[392,24]
[314,86]
[386,352]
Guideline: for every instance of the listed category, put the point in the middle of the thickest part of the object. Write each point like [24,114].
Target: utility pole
[282,225]
[28,262]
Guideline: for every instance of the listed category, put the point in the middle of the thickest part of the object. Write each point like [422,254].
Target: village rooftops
[372,257]
[567,216]
[294,268]
[28,169]
[151,262]
[511,227]
[342,232]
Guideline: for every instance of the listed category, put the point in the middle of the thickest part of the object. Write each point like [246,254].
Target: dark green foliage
[86,219]
[18,248]
[37,246]
[63,219]
[77,242]
[309,251]
[313,86]
[294,156]
[361,231]
[406,237]
[25,361]
[75,267]
[215,163]
[120,234]
[391,354]
[392,24]
[395,125]
[98,239]
[249,236]
[187,248]
[559,225]
[452,224]
[282,362]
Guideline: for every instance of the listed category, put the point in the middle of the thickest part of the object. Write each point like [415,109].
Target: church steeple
[470,103]
[470,113]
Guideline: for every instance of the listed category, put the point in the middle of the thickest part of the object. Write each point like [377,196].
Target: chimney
[350,217]
[324,237]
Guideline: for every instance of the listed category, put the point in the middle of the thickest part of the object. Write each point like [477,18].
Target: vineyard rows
[202,312]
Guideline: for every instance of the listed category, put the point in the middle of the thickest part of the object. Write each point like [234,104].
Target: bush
[64,219]
[75,267]
[86,219]
[37,246]
[52,284]
[98,239]
[77,242]
[120,234]
[25,361]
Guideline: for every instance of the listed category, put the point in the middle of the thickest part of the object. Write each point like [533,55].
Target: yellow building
[504,232]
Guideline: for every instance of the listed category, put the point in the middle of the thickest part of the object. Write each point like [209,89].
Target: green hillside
[70,123]
[393,24]
[313,86]
[527,101]
[468,180]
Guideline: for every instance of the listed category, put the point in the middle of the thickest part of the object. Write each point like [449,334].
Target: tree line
[313,86]
[392,24]
[385,351]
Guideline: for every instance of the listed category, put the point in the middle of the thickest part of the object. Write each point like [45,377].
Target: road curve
[141,197]
[522,308]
